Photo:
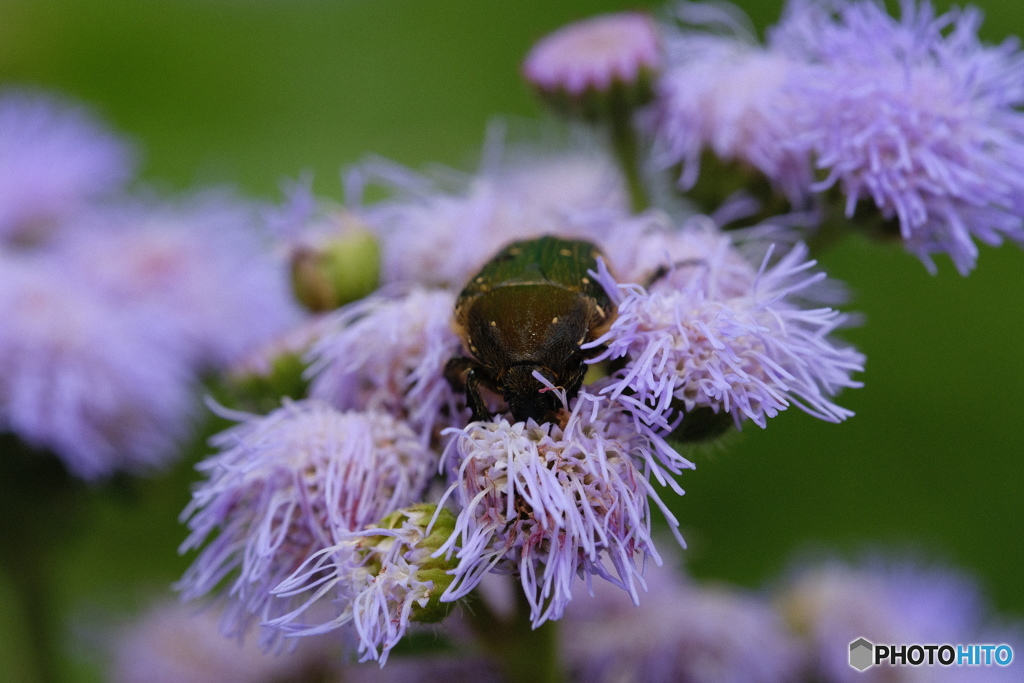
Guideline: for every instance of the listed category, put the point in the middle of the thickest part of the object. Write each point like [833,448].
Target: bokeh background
[249,93]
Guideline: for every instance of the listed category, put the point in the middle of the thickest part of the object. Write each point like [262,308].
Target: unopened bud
[592,67]
[340,268]
[419,553]
[276,370]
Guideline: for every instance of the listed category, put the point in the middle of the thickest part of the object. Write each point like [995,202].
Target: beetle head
[526,396]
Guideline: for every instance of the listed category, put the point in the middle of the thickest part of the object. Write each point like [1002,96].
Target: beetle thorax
[536,324]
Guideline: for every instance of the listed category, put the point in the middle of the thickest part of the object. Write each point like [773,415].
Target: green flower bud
[419,554]
[339,269]
[260,380]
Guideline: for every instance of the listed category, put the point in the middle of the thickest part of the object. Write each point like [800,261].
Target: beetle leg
[465,374]
[663,271]
[455,372]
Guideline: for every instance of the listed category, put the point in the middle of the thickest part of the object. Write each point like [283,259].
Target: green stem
[39,505]
[30,588]
[527,655]
[624,145]
[837,226]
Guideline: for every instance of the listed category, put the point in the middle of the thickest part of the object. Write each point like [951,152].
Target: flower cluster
[114,303]
[286,486]
[55,159]
[576,67]
[831,604]
[496,373]
[552,503]
[388,353]
[693,345]
[912,125]
[172,643]
[380,579]
[440,238]
[374,501]
[681,630]
[546,502]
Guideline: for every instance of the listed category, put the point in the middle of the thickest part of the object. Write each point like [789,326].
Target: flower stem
[39,504]
[526,654]
[626,150]
[29,582]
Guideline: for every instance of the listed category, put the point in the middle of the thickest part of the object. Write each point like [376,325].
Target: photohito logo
[865,654]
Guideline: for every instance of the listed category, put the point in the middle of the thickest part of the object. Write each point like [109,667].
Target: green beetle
[530,308]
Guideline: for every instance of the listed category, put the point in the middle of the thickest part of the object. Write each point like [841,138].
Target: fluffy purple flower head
[727,95]
[441,238]
[649,248]
[380,580]
[697,344]
[55,157]
[388,353]
[680,631]
[104,388]
[199,263]
[173,643]
[284,487]
[551,503]
[428,668]
[914,115]
[595,53]
[832,604]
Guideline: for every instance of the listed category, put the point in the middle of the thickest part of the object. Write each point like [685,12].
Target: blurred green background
[250,93]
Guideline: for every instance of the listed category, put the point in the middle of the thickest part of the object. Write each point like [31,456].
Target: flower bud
[596,66]
[341,268]
[275,370]
[422,540]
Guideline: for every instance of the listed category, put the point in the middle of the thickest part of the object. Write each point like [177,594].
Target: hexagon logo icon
[861,654]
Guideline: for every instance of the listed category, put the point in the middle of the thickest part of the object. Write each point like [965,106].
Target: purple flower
[388,353]
[695,341]
[173,643]
[915,115]
[727,95]
[199,263]
[54,158]
[551,503]
[103,387]
[379,580]
[594,54]
[284,487]
[428,668]
[680,631]
[832,604]
[441,238]
[650,248]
